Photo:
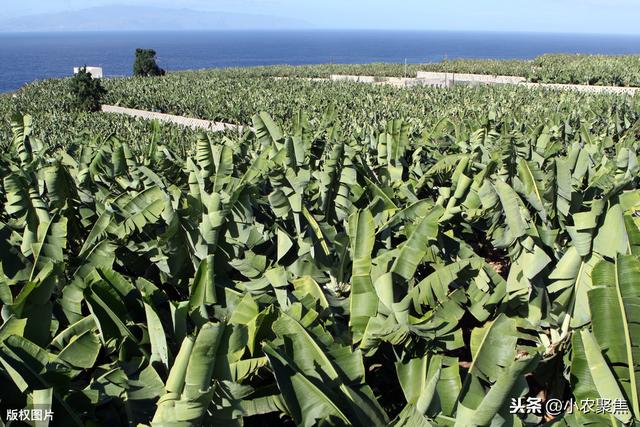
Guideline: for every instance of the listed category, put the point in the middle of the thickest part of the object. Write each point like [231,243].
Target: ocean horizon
[25,57]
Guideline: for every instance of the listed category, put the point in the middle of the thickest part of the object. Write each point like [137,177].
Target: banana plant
[325,267]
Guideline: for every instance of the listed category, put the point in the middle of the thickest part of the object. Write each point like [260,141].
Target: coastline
[25,57]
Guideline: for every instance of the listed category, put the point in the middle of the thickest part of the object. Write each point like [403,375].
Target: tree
[145,64]
[87,91]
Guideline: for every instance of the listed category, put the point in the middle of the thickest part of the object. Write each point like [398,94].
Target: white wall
[96,72]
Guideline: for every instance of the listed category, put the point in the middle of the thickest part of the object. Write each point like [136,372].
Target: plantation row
[235,100]
[56,127]
[600,70]
[360,108]
[623,70]
[331,269]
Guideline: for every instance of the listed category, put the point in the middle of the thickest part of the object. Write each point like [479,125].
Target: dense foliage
[587,69]
[359,106]
[623,70]
[236,100]
[56,122]
[321,278]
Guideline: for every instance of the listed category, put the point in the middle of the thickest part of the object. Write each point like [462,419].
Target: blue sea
[28,57]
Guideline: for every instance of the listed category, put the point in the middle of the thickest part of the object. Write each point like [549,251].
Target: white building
[96,72]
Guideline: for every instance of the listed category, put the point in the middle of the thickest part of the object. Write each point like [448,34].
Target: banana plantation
[360,257]
[601,70]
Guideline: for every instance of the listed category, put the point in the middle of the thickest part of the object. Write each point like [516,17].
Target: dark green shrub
[145,64]
[87,91]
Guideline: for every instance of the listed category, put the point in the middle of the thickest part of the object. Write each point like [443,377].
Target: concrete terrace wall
[96,72]
[169,118]
[460,78]
[449,79]
[431,79]
[425,78]
[358,79]
[618,90]
[393,81]
[428,82]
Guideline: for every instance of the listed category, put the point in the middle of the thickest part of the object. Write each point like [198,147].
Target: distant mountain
[138,18]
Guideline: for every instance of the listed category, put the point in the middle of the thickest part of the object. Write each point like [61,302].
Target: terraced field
[622,70]
[365,255]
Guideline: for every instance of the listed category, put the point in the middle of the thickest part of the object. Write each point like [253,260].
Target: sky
[566,16]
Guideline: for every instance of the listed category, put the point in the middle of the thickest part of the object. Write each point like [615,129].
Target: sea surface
[33,56]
